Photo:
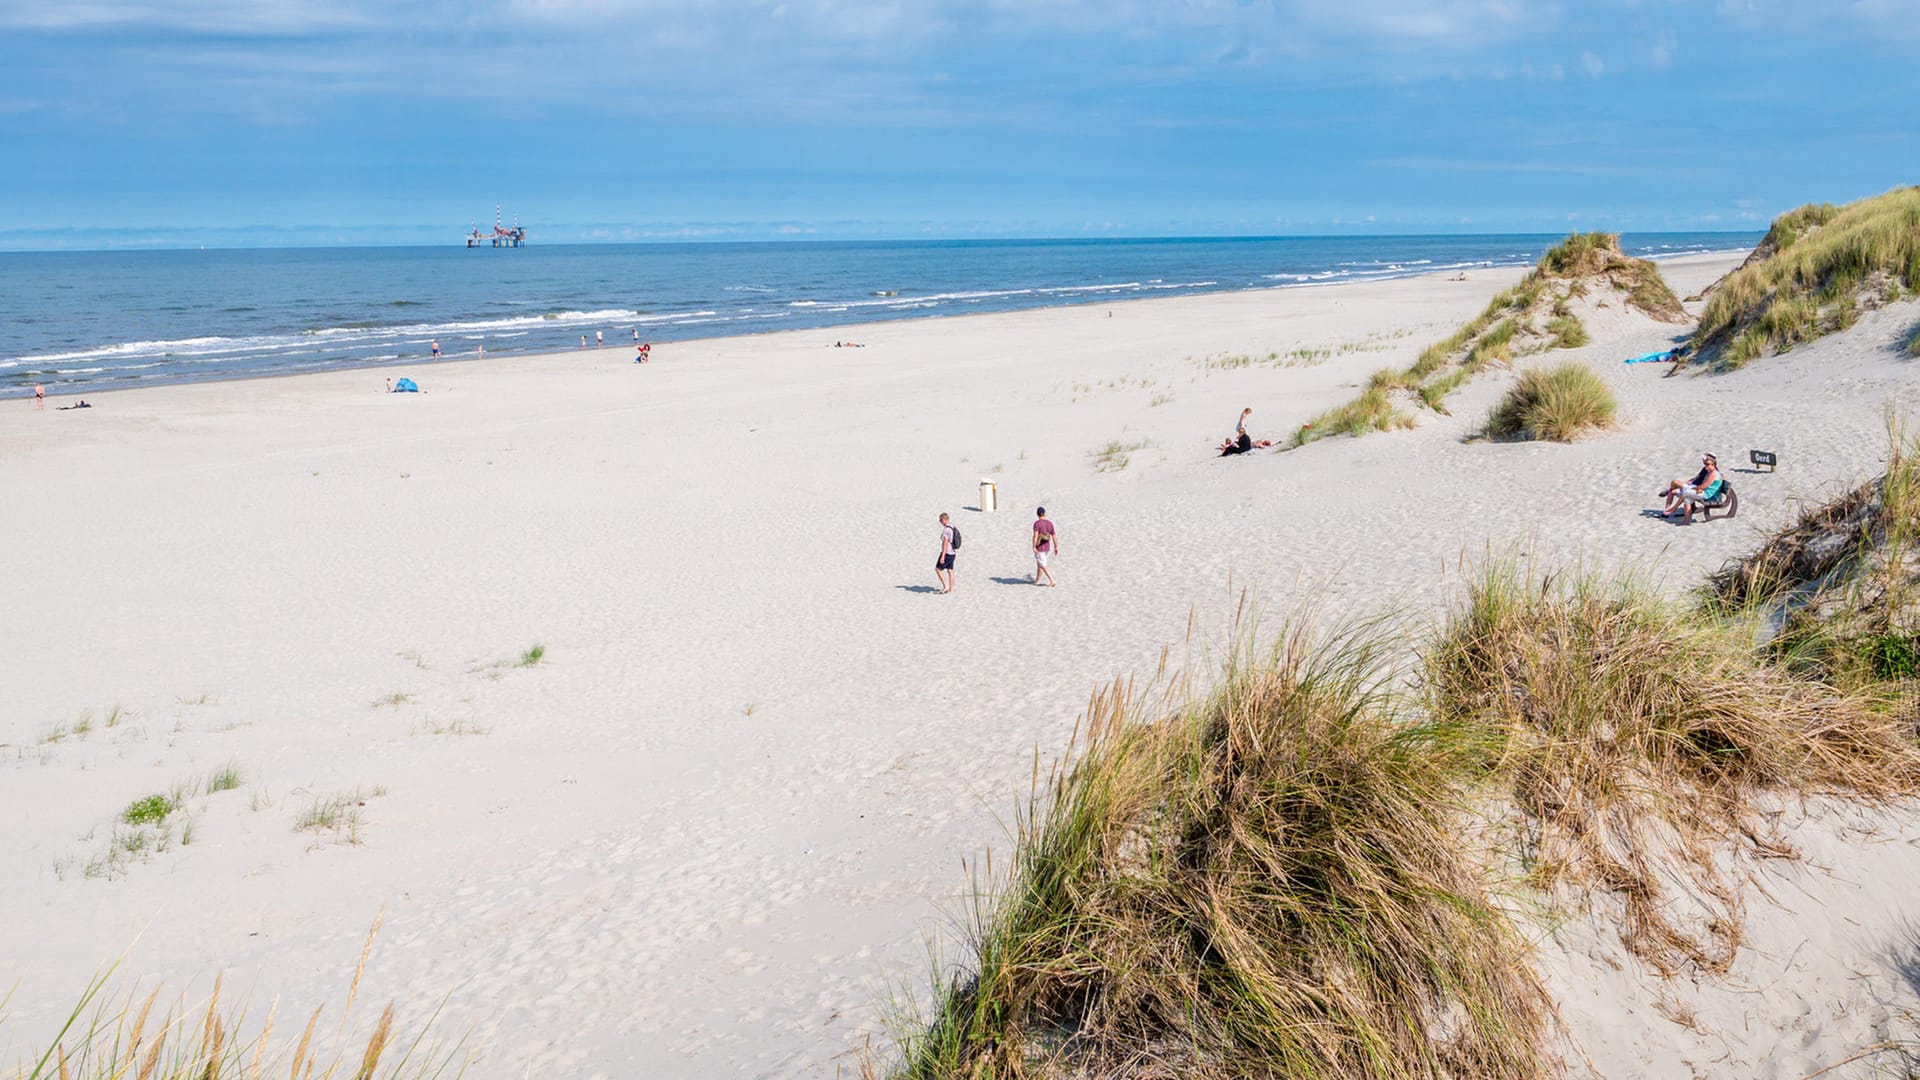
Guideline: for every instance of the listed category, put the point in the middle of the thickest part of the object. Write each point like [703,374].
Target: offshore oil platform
[501,235]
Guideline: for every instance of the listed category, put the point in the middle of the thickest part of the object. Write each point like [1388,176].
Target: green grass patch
[149,810]
[533,655]
[1568,332]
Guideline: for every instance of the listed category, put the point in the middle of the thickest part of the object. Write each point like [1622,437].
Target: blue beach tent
[406,386]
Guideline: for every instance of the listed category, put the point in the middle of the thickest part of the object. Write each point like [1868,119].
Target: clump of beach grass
[1560,403]
[533,655]
[1636,735]
[1267,881]
[1568,332]
[121,1037]
[1533,316]
[336,817]
[1117,455]
[226,778]
[1818,267]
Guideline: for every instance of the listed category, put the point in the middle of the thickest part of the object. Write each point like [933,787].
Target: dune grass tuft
[1634,734]
[1812,275]
[111,1037]
[1559,403]
[1117,455]
[533,655]
[1265,882]
[1568,332]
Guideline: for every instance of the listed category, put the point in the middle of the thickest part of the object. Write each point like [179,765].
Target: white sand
[730,802]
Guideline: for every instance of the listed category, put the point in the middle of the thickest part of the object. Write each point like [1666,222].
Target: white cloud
[1592,65]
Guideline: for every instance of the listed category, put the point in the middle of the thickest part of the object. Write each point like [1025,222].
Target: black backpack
[956,536]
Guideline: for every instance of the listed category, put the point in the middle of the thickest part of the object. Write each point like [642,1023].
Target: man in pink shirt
[1046,542]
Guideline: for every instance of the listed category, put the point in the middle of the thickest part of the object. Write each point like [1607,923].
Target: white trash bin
[989,496]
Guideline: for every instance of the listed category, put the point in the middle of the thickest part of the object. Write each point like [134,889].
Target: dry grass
[1267,882]
[1812,275]
[1840,585]
[1559,403]
[123,1038]
[1635,735]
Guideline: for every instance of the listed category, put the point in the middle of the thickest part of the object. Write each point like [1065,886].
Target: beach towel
[406,386]
[1652,358]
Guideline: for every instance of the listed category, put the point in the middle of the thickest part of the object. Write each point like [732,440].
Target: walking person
[599,339]
[39,396]
[1046,544]
[436,348]
[943,563]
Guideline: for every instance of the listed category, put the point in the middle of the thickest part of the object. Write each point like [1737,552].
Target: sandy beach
[728,804]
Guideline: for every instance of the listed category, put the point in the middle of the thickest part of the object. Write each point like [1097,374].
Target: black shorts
[944,562]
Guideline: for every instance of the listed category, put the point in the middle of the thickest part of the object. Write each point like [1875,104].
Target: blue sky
[181,122]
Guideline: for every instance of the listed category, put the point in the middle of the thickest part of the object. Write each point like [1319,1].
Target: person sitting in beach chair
[1677,491]
[1708,491]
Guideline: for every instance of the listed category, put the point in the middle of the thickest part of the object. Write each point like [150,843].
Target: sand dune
[729,801]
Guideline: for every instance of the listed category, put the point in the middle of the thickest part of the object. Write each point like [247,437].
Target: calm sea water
[89,321]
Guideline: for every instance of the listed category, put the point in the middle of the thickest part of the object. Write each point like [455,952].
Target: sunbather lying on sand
[1240,442]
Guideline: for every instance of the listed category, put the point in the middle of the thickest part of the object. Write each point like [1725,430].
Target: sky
[135,123]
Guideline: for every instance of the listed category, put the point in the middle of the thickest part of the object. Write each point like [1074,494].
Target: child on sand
[943,562]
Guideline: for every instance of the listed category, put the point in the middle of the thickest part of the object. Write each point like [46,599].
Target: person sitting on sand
[1240,442]
[1680,495]
[81,404]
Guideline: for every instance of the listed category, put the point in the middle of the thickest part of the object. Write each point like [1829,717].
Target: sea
[94,321]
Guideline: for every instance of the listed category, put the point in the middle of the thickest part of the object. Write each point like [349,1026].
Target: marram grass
[1560,403]
[1264,882]
[124,1038]
[1634,735]
[1532,316]
[1810,276]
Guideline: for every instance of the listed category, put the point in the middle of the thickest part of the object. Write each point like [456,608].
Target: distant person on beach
[599,340]
[81,404]
[643,352]
[1046,544]
[436,348]
[39,396]
[583,341]
[943,563]
[479,352]
[1240,442]
[636,337]
[1680,493]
